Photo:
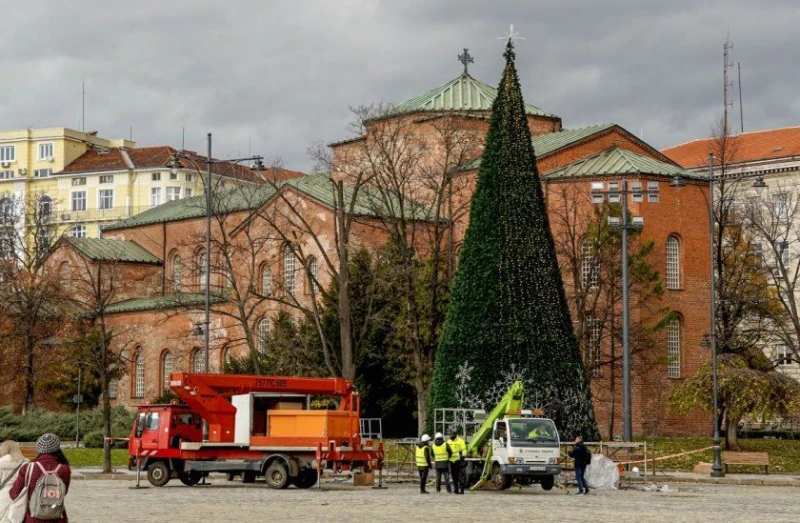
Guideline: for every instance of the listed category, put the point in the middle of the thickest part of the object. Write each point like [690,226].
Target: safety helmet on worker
[438,435]
[425,438]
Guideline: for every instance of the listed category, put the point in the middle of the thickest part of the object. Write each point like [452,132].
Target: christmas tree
[508,318]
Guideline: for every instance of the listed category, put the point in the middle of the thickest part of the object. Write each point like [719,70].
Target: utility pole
[741,105]
[208,255]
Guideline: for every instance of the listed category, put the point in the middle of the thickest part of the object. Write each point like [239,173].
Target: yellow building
[83,182]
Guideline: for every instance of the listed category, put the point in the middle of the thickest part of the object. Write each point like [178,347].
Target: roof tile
[100,249]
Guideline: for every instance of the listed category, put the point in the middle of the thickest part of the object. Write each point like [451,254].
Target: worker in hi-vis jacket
[441,457]
[458,447]
[423,456]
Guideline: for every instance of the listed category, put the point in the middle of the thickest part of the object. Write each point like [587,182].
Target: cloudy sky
[274,76]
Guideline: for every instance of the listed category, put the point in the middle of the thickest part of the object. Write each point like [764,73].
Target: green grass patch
[784,455]
[94,457]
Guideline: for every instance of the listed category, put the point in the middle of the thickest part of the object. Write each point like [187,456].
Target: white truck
[511,446]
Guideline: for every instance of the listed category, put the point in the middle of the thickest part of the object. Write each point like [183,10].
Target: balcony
[59,215]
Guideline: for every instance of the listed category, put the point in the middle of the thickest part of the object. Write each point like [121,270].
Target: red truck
[257,426]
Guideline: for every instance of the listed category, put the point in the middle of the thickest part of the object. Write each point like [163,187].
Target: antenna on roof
[741,105]
[726,50]
[130,134]
[183,138]
[83,104]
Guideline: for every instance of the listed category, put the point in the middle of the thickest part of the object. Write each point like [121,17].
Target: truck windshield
[532,430]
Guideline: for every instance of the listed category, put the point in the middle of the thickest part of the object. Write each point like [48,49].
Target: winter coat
[7,468]
[49,462]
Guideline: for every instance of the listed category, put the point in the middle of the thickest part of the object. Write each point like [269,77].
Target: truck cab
[525,450]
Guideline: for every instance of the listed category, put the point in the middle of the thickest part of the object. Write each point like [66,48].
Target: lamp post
[175,164]
[635,224]
[717,470]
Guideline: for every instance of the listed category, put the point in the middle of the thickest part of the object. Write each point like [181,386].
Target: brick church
[158,255]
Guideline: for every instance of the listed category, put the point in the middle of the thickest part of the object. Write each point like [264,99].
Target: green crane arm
[510,404]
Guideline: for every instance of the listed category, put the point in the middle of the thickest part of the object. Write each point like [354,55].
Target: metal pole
[78,412]
[717,471]
[626,347]
[208,254]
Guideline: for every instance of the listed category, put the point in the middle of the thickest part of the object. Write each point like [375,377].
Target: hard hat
[425,438]
[438,435]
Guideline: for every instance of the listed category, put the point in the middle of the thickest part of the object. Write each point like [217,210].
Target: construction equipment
[513,445]
[257,426]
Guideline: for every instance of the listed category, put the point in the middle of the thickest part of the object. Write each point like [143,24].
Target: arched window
[673,263]
[225,358]
[202,270]
[138,375]
[590,265]
[313,272]
[266,280]
[264,330]
[674,348]
[177,273]
[198,361]
[289,275]
[45,208]
[166,370]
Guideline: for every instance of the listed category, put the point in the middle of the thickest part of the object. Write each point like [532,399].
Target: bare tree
[29,290]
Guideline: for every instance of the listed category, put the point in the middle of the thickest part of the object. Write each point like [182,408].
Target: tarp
[602,473]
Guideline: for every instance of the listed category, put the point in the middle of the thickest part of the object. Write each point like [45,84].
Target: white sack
[602,473]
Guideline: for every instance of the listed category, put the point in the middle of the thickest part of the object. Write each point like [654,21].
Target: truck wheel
[501,481]
[277,476]
[306,479]
[190,479]
[548,482]
[158,473]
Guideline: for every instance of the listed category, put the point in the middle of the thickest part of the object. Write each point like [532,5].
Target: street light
[174,164]
[717,470]
[635,224]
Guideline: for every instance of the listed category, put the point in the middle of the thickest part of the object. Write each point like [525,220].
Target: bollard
[138,467]
[319,466]
[380,467]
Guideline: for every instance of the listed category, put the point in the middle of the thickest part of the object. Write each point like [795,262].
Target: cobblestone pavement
[115,501]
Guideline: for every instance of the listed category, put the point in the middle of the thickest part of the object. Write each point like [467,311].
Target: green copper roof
[464,93]
[112,250]
[160,302]
[616,161]
[544,144]
[316,186]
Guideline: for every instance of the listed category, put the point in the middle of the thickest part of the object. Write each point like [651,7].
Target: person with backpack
[44,482]
[582,457]
[11,460]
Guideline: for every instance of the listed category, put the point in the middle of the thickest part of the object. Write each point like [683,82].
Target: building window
[202,270]
[42,173]
[652,192]
[187,193]
[266,280]
[636,192]
[673,263]
[6,210]
[313,271]
[107,178]
[189,177]
[155,196]
[264,330]
[177,273]
[166,370]
[613,192]
[113,386]
[198,361]
[783,356]
[46,151]
[758,252]
[173,175]
[138,375]
[590,265]
[43,242]
[781,206]
[173,193]
[674,348]
[105,199]
[289,275]
[782,251]
[81,180]
[8,153]
[156,177]
[79,231]
[45,208]
[593,331]
[79,201]
[6,243]
[6,175]
[226,358]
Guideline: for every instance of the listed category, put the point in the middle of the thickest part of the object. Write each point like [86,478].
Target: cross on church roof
[465,59]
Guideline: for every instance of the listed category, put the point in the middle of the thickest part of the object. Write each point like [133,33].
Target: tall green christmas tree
[508,318]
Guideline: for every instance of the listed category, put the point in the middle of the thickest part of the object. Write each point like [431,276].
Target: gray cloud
[277,75]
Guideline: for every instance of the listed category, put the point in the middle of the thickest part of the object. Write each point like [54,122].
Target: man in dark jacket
[580,454]
[423,456]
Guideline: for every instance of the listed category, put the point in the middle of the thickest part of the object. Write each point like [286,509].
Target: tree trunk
[423,403]
[731,434]
[345,325]
[29,405]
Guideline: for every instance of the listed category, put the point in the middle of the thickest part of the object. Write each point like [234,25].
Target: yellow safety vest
[457,445]
[440,452]
[420,457]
